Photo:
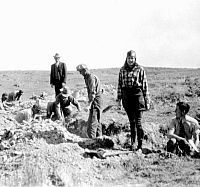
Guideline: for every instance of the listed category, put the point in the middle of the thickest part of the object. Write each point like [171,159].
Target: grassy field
[166,86]
[159,79]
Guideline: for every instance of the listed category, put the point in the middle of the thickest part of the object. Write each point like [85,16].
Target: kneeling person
[15,96]
[62,105]
[27,115]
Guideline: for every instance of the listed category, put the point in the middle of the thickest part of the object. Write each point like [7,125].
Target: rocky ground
[46,153]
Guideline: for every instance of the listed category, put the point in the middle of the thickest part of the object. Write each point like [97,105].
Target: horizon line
[162,67]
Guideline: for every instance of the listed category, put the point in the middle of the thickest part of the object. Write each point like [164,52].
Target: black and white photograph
[100,93]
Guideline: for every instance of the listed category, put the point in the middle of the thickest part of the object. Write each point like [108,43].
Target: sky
[98,33]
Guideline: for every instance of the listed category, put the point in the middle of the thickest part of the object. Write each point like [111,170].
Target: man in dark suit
[58,76]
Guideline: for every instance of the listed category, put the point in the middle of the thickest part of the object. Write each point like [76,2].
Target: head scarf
[130,53]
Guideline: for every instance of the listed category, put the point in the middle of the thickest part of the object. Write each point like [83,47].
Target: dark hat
[131,53]
[81,67]
[21,92]
[56,55]
[65,90]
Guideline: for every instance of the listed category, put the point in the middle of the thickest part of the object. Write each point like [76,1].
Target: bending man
[95,102]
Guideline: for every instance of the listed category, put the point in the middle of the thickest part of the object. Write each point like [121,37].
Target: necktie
[182,129]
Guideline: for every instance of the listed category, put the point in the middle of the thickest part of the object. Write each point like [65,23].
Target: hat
[131,53]
[81,67]
[21,92]
[65,90]
[56,55]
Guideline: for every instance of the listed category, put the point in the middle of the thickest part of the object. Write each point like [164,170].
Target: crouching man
[15,96]
[183,131]
[61,107]
[27,115]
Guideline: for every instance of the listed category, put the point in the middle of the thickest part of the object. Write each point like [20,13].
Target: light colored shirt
[93,89]
[191,126]
[64,101]
[93,85]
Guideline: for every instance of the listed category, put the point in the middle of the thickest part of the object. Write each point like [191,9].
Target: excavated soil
[46,153]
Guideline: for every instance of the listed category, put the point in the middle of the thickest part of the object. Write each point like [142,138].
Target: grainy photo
[99,93]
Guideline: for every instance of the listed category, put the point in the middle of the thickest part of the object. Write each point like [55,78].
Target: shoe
[138,151]
[133,148]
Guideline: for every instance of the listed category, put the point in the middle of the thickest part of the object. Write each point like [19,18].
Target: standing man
[134,95]
[95,101]
[58,76]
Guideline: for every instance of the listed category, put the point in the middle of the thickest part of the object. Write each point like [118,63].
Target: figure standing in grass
[183,131]
[133,94]
[58,75]
[95,101]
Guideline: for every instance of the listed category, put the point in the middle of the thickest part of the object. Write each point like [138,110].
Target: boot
[133,135]
[140,135]
[133,146]
[139,144]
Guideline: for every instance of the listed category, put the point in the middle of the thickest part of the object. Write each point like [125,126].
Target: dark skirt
[133,99]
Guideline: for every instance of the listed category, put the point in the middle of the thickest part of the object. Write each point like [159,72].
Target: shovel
[107,108]
[102,154]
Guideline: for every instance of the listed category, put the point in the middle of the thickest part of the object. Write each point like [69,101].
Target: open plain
[45,153]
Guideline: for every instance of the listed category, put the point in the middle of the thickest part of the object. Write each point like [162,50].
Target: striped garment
[133,78]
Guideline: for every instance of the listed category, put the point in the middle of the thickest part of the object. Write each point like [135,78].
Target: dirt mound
[47,153]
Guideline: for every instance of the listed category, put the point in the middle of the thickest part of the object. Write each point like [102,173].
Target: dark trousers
[50,109]
[52,113]
[135,118]
[58,86]
[133,103]
[94,126]
[178,147]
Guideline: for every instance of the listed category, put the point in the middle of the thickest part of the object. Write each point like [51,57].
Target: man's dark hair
[184,107]
[18,94]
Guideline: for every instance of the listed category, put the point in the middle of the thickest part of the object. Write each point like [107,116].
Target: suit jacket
[62,71]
